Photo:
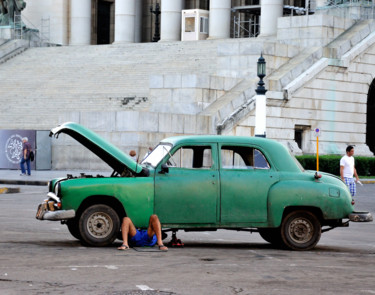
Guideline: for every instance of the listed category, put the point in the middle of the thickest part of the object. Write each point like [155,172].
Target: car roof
[274,150]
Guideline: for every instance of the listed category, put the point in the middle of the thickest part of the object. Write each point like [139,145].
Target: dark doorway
[104,22]
[298,137]
[370,127]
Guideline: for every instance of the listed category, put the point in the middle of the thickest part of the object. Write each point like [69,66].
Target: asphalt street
[41,257]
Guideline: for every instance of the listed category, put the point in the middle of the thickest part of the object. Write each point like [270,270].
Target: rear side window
[242,157]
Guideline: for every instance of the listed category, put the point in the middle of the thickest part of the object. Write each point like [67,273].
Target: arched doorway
[370,127]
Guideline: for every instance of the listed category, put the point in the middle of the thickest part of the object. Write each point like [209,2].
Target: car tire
[272,236]
[99,226]
[301,230]
[73,228]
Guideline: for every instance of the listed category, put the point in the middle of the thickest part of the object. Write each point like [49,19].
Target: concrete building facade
[107,21]
[134,92]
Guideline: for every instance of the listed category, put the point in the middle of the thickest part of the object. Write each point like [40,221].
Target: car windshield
[157,154]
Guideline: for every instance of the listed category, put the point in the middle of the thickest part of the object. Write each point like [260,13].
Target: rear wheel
[99,225]
[301,230]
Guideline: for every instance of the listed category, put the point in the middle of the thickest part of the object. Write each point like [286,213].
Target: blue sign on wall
[11,147]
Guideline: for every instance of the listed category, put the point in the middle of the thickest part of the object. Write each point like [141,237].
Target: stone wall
[333,100]
[312,31]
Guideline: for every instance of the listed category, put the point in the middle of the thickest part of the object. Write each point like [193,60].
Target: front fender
[135,194]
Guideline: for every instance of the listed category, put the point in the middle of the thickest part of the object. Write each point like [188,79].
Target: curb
[24,182]
[367,181]
[9,190]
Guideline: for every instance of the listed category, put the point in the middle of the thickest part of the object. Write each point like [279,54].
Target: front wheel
[271,235]
[73,228]
[99,225]
[301,230]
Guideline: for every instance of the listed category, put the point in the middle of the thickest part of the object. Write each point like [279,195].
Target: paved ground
[41,257]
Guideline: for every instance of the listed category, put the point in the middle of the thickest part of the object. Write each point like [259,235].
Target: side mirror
[164,169]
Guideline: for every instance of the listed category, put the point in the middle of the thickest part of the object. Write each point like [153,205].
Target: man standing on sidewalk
[347,169]
[26,149]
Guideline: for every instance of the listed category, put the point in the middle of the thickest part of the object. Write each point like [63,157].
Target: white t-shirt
[348,163]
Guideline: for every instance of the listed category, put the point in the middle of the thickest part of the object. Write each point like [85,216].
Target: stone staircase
[53,81]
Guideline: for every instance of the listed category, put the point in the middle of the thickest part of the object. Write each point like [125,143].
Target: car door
[246,177]
[187,190]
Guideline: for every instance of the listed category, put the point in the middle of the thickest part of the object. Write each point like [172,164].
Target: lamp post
[157,12]
[260,111]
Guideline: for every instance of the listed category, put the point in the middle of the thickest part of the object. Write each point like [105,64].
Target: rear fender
[286,196]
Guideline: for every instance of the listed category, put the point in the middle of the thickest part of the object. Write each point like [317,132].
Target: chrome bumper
[48,210]
[360,217]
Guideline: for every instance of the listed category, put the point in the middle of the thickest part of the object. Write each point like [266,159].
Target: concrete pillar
[125,21]
[170,26]
[219,19]
[270,10]
[260,115]
[138,22]
[80,22]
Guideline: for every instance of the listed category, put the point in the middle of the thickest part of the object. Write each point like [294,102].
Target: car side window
[242,157]
[192,157]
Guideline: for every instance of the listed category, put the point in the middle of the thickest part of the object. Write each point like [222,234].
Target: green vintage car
[200,183]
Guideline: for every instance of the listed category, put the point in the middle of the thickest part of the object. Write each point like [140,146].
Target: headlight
[57,189]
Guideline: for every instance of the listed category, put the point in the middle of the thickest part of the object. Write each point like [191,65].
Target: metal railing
[354,9]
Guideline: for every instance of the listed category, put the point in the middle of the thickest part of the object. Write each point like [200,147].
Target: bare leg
[127,229]
[154,228]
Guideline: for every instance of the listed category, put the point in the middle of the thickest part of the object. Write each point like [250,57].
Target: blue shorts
[141,239]
[351,185]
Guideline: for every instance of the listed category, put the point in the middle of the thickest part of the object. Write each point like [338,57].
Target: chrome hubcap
[301,230]
[99,225]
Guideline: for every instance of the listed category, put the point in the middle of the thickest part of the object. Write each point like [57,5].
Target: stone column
[170,27]
[219,19]
[270,10]
[80,22]
[138,22]
[125,21]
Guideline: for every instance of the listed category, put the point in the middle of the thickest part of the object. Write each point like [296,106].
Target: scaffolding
[17,26]
[45,30]
[245,28]
[246,21]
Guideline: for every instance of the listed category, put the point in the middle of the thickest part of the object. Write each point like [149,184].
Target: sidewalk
[41,177]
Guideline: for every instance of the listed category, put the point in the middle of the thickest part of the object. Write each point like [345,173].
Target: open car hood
[109,153]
